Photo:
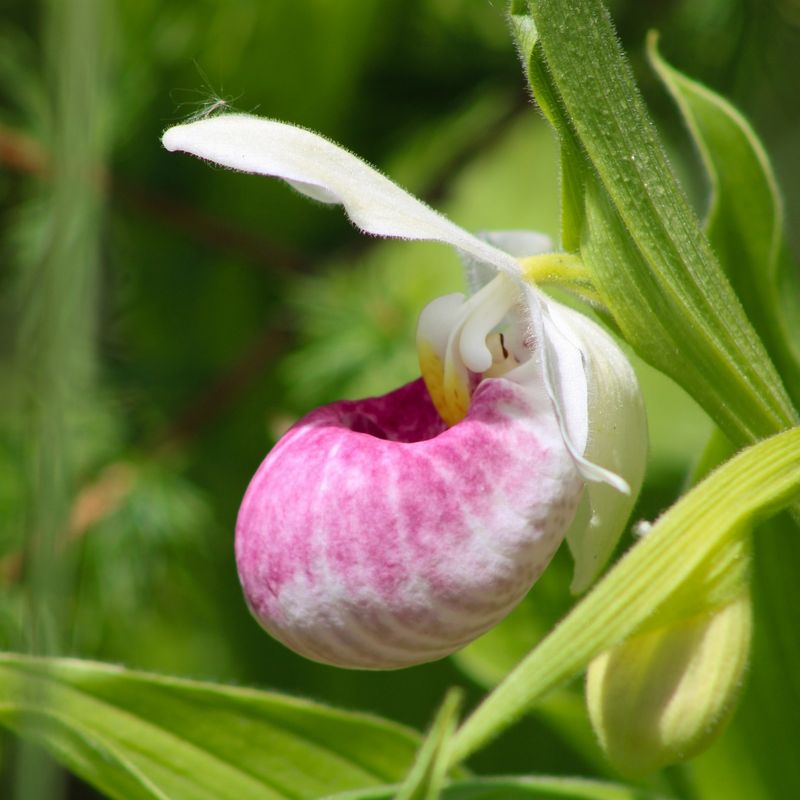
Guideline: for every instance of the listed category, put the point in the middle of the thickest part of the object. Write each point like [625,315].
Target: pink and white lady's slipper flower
[394,530]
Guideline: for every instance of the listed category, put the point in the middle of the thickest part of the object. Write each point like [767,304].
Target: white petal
[617,442]
[518,243]
[567,334]
[327,172]
[599,408]
[568,385]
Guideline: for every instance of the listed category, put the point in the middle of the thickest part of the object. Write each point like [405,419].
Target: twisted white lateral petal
[375,537]
[599,405]
[616,439]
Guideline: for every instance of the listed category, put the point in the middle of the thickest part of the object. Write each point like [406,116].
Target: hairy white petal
[327,172]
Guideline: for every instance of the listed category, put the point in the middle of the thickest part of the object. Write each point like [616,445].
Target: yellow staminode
[449,391]
[457,342]
[449,388]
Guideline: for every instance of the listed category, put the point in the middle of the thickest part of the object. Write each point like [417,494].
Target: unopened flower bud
[663,696]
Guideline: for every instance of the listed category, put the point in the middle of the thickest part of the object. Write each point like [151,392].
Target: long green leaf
[137,736]
[665,287]
[745,221]
[657,576]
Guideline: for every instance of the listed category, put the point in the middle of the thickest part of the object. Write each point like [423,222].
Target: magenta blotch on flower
[392,531]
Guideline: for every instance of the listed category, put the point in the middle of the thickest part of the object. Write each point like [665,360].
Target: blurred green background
[162,322]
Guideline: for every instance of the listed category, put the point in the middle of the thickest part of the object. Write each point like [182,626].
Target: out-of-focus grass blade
[137,736]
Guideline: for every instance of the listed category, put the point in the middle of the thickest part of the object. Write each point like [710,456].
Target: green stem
[561,270]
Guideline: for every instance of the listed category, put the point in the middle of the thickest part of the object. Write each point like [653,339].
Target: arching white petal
[617,442]
[326,172]
[568,385]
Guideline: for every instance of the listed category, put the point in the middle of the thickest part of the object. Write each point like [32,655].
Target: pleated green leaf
[653,265]
[138,736]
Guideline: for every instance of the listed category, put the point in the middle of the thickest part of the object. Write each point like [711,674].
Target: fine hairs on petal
[323,170]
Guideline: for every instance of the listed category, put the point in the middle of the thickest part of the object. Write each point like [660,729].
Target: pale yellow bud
[664,695]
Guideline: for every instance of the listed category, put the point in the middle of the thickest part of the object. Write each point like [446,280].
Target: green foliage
[161,324]
[741,766]
[688,562]
[426,777]
[136,735]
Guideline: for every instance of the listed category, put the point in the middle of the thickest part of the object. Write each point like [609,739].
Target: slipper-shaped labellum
[393,530]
